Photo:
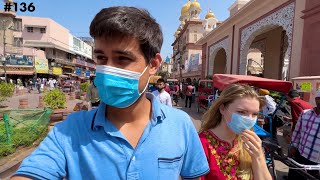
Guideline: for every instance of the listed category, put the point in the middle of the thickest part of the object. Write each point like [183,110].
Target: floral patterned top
[223,161]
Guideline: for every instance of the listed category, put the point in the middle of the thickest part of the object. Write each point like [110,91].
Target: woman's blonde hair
[212,118]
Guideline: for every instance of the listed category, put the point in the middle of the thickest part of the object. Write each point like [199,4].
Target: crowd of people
[134,134]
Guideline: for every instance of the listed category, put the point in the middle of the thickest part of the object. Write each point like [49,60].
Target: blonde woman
[232,149]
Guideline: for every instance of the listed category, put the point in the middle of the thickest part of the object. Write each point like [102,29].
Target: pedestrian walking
[92,96]
[51,84]
[30,85]
[163,96]
[189,91]
[38,84]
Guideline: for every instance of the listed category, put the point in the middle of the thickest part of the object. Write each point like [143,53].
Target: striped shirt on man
[306,135]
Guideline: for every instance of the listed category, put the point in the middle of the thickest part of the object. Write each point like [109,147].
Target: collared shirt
[92,94]
[270,106]
[164,97]
[88,146]
[306,135]
[297,106]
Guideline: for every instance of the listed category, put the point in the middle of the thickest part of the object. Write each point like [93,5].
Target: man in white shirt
[161,94]
[51,84]
[271,105]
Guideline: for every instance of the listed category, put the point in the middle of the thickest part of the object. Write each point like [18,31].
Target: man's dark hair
[293,93]
[92,78]
[129,22]
[160,80]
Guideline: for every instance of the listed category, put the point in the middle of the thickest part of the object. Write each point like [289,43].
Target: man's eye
[241,112]
[101,57]
[124,58]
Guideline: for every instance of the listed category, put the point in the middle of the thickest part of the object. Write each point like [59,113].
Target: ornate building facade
[187,56]
[273,39]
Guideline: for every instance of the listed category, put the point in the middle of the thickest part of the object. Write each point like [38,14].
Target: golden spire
[185,8]
[210,15]
[195,4]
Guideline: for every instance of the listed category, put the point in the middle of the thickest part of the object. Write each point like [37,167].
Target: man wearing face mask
[161,94]
[305,141]
[131,135]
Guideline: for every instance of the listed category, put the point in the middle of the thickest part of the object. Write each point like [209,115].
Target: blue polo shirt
[88,146]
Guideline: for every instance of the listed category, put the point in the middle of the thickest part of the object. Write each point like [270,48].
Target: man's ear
[155,64]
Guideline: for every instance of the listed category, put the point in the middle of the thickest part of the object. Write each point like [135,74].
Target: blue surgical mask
[118,87]
[240,123]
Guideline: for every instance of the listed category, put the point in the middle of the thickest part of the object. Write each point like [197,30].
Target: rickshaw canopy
[221,81]
[172,80]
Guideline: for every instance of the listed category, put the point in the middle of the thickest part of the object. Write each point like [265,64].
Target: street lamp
[3,60]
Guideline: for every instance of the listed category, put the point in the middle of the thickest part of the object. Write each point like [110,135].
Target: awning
[69,67]
[19,72]
[221,81]
[40,44]
[63,76]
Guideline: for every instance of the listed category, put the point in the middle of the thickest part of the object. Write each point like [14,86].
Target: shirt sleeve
[271,105]
[195,161]
[169,101]
[295,139]
[47,161]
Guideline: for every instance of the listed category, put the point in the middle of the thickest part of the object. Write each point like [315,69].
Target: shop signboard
[57,70]
[41,65]
[19,60]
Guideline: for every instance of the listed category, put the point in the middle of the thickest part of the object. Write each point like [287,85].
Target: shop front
[18,67]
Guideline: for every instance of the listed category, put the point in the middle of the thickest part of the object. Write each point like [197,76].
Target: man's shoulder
[303,104]
[166,93]
[175,115]
[155,92]
[307,111]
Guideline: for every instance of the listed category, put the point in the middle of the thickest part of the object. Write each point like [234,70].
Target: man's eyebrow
[98,51]
[126,53]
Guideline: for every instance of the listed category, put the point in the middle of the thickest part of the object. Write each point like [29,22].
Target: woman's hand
[252,144]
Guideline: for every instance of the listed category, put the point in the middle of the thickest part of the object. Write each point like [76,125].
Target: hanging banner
[57,70]
[19,60]
[41,65]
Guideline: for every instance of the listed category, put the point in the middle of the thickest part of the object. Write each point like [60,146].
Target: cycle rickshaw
[204,97]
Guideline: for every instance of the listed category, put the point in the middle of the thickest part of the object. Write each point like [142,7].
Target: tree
[6,91]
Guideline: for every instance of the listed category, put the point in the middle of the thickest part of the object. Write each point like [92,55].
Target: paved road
[33,100]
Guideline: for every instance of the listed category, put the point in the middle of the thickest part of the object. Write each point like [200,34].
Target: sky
[76,15]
